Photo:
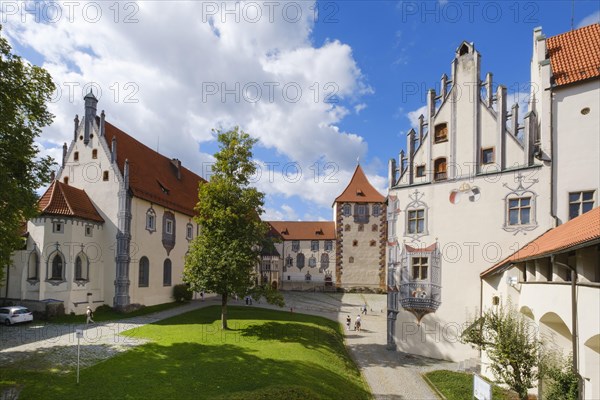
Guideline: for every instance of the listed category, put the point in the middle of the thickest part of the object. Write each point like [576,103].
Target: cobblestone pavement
[391,375]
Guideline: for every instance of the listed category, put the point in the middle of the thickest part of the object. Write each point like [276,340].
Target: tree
[223,257]
[511,345]
[24,91]
[561,381]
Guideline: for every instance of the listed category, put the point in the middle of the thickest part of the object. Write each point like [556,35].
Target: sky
[322,85]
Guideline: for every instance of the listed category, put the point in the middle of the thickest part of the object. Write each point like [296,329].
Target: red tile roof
[359,190]
[575,55]
[152,176]
[304,230]
[578,231]
[62,199]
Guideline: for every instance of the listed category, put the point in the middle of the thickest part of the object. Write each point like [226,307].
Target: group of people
[358,321]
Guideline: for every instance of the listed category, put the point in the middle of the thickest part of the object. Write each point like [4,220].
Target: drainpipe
[573,319]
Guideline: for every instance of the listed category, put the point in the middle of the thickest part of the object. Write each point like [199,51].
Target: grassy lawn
[105,314]
[459,386]
[266,354]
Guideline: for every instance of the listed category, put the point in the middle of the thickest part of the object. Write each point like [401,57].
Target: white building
[114,226]
[475,185]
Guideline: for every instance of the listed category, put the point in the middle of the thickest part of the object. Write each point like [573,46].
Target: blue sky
[168,72]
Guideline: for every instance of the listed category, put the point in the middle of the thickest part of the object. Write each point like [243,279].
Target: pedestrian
[90,315]
[348,321]
[247,300]
[364,310]
[357,323]
[202,295]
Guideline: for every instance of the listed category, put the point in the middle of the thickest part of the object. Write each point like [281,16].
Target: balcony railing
[440,176]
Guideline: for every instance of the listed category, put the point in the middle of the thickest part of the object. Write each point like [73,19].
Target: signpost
[79,335]
[482,390]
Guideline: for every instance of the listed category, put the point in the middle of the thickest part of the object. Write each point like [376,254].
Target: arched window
[440,169]
[144,272]
[347,210]
[150,220]
[312,261]
[81,267]
[57,267]
[289,261]
[167,273]
[300,260]
[324,261]
[33,270]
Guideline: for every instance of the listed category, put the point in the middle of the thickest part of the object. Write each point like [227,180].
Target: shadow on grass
[188,371]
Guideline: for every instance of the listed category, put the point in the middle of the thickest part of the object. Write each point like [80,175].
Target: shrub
[562,383]
[182,293]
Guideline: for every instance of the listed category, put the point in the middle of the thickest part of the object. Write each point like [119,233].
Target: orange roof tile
[359,190]
[304,230]
[575,55]
[62,199]
[578,231]
[153,176]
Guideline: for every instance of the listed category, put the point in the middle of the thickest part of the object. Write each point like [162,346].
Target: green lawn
[459,386]
[108,314]
[265,355]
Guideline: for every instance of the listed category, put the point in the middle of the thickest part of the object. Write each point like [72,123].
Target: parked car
[14,315]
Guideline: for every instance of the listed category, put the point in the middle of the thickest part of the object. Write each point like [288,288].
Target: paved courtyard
[391,375]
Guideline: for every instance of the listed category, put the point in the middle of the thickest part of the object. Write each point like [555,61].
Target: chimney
[76,123]
[113,150]
[64,159]
[102,116]
[90,115]
[177,164]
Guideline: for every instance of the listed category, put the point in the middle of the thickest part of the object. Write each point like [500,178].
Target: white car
[14,315]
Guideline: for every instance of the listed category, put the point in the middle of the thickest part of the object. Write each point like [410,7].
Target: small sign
[79,333]
[482,390]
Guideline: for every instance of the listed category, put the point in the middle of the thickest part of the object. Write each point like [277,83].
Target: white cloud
[413,116]
[593,18]
[171,77]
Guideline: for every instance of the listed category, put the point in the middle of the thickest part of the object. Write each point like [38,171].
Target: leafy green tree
[511,344]
[24,91]
[561,381]
[223,257]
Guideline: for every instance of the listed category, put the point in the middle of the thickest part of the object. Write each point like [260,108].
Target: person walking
[89,315]
[348,322]
[357,323]
[364,310]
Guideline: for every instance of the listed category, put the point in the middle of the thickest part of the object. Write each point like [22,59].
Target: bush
[182,293]
[103,308]
[562,380]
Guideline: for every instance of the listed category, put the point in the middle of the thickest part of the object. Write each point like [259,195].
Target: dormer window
[163,188]
[441,133]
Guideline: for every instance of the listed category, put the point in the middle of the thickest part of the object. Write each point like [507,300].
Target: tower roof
[359,190]
[62,199]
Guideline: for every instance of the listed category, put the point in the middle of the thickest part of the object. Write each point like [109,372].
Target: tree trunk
[224,311]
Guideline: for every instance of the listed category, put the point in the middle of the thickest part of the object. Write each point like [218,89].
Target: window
[416,221]
[78,269]
[150,220]
[519,211]
[66,180]
[441,133]
[314,245]
[324,261]
[289,261]
[189,231]
[487,156]
[361,213]
[94,153]
[347,210]
[419,268]
[376,210]
[374,228]
[355,243]
[169,227]
[105,176]
[89,229]
[81,267]
[328,245]
[56,272]
[351,260]
[372,243]
[580,203]
[33,270]
[420,171]
[76,156]
[167,273]
[295,245]
[300,261]
[312,262]
[58,227]
[347,228]
[440,169]
[144,272]
[361,227]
